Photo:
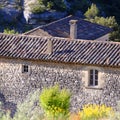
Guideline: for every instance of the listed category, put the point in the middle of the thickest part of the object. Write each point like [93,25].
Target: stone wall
[15,85]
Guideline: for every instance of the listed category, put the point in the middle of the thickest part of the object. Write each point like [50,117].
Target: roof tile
[64,50]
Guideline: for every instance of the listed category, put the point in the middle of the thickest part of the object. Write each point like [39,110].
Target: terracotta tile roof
[86,30]
[64,50]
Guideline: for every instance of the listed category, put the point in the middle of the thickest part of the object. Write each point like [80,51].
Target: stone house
[64,28]
[89,69]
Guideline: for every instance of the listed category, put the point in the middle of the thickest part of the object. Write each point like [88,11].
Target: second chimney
[73,29]
[49,47]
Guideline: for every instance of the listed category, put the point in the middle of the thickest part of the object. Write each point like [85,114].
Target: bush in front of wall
[95,112]
[27,110]
[116,115]
[55,102]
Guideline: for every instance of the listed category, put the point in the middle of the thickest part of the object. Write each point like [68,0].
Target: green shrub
[43,5]
[29,109]
[92,12]
[58,5]
[37,8]
[8,31]
[55,102]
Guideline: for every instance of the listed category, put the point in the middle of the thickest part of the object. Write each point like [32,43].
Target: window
[93,77]
[25,68]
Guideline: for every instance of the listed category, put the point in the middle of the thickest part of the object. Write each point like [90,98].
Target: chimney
[73,29]
[49,47]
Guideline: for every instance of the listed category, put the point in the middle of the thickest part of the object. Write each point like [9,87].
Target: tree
[92,15]
[92,12]
[109,22]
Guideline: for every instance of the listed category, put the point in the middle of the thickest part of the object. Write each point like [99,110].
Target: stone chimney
[73,29]
[49,47]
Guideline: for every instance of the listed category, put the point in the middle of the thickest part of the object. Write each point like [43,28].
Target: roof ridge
[46,24]
[60,38]
[88,40]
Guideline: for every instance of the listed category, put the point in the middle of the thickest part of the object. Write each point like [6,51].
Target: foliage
[8,31]
[37,8]
[55,102]
[18,4]
[4,116]
[92,12]
[43,5]
[27,110]
[58,5]
[95,112]
[109,7]
[108,21]
[92,16]
[116,115]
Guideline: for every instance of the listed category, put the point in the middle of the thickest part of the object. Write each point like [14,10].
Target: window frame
[86,77]
[25,68]
[93,80]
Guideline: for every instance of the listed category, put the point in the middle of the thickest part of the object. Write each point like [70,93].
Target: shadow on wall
[7,106]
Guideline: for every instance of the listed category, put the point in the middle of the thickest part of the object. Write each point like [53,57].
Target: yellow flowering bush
[94,112]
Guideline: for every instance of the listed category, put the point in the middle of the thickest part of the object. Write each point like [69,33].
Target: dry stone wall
[15,85]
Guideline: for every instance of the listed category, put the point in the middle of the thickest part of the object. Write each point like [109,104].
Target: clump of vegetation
[58,5]
[37,7]
[109,7]
[18,4]
[55,102]
[27,110]
[116,115]
[93,15]
[43,5]
[92,12]
[9,31]
[95,112]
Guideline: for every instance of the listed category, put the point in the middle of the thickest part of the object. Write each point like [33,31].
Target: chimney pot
[73,29]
